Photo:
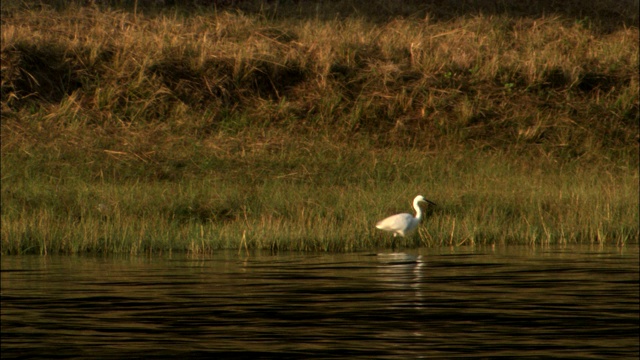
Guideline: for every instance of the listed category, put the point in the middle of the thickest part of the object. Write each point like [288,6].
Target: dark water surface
[572,302]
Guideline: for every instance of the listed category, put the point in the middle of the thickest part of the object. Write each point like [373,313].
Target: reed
[284,128]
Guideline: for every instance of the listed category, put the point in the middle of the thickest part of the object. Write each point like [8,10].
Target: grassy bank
[173,129]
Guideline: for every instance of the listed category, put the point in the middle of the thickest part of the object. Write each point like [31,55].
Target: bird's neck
[418,210]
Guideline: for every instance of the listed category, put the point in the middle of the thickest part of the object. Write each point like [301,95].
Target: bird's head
[421,198]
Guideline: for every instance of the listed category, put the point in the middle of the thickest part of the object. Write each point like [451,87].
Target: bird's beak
[430,202]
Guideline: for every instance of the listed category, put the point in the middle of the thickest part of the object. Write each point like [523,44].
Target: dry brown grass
[288,103]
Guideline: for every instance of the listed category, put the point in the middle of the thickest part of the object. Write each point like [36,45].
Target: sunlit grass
[483,199]
[169,130]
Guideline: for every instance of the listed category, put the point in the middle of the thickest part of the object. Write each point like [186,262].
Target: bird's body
[399,224]
[403,224]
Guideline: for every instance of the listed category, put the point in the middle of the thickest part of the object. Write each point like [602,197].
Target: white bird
[404,224]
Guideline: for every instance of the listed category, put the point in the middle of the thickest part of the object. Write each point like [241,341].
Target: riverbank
[166,130]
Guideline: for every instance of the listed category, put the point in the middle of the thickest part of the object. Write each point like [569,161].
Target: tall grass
[278,128]
[322,203]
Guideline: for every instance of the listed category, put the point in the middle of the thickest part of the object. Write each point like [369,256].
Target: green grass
[317,201]
[188,129]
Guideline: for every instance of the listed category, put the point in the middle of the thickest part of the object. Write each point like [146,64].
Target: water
[576,302]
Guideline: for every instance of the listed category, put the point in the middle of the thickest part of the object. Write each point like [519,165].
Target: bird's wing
[395,222]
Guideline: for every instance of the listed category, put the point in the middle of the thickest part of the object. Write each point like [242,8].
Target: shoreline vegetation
[137,127]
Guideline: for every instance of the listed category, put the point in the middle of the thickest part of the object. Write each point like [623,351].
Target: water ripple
[469,303]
